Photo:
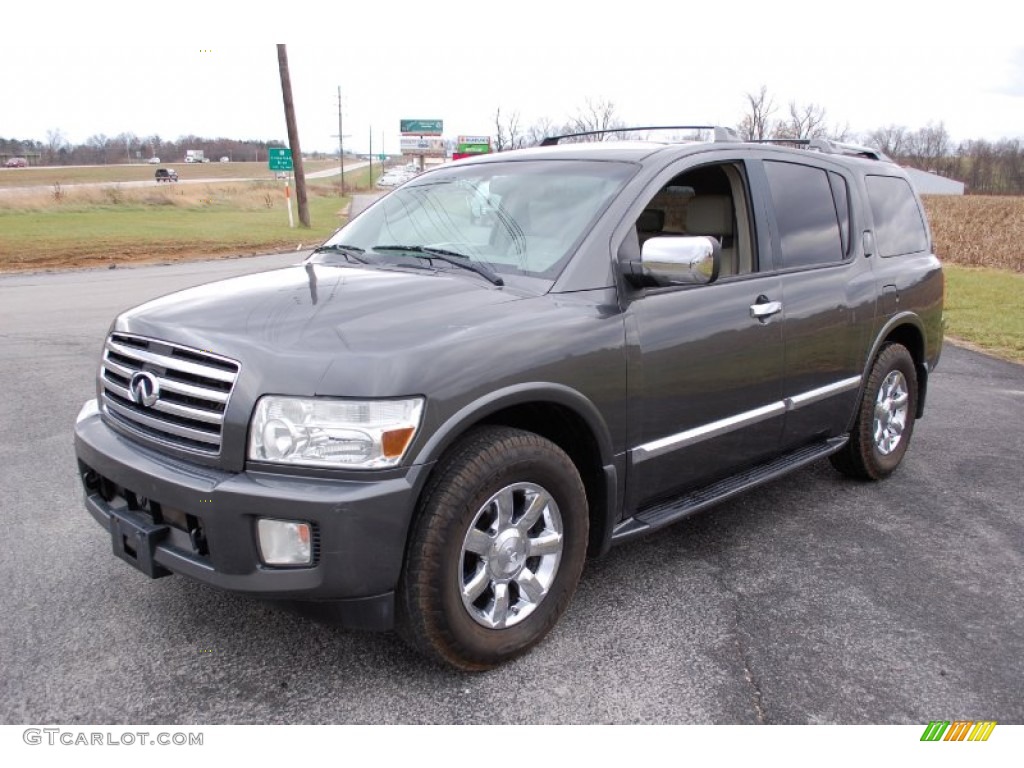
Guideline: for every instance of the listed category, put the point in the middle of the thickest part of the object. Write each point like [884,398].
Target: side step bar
[668,512]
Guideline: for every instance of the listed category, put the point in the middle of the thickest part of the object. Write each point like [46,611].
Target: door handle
[764,309]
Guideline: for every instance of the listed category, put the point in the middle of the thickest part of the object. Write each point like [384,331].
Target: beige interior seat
[712,215]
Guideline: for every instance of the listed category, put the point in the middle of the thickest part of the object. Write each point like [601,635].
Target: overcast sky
[113,67]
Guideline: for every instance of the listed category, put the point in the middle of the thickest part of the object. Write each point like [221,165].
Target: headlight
[325,432]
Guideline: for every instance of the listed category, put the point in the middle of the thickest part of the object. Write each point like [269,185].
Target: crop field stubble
[978,231]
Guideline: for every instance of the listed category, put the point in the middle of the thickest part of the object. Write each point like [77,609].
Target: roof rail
[857,150]
[721,133]
[830,147]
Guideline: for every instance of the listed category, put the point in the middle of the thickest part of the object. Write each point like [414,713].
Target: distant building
[933,184]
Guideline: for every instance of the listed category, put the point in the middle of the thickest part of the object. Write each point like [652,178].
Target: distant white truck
[195,156]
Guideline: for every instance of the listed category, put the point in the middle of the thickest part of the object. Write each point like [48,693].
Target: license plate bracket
[135,541]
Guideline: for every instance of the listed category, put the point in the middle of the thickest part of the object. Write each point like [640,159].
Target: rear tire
[496,550]
[885,418]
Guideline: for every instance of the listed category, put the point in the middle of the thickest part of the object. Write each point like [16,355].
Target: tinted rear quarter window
[805,212]
[899,224]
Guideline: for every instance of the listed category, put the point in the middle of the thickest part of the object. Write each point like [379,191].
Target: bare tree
[928,147]
[508,133]
[840,132]
[540,130]
[124,143]
[805,122]
[890,139]
[757,125]
[597,115]
[98,146]
[152,145]
[55,142]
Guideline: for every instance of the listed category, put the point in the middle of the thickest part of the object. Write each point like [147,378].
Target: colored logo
[958,730]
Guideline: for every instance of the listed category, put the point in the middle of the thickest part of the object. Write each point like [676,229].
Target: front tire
[496,550]
[885,418]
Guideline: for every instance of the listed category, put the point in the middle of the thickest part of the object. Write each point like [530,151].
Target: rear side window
[806,215]
[899,225]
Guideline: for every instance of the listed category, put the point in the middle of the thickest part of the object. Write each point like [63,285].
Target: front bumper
[167,516]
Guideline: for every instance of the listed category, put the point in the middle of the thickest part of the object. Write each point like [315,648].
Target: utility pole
[293,136]
[371,157]
[341,145]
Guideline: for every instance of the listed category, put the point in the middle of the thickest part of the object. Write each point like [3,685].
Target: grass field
[985,307]
[81,226]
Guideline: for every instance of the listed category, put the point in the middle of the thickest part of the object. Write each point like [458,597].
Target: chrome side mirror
[681,260]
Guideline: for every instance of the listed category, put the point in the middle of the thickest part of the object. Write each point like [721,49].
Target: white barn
[933,184]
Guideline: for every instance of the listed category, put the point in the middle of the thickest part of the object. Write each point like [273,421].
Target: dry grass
[119,224]
[247,195]
[978,231]
[76,226]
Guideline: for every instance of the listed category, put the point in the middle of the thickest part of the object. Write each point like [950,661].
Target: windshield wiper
[449,257]
[351,252]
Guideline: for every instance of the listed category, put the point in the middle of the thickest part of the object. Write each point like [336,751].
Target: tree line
[985,167]
[101,149]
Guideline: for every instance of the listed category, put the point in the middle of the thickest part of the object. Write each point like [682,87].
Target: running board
[667,512]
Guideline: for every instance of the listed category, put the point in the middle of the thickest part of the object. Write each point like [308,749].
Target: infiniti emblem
[144,388]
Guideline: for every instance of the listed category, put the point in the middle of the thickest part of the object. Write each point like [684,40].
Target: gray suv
[511,363]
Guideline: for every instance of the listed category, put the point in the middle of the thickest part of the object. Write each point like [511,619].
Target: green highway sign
[280,159]
[422,127]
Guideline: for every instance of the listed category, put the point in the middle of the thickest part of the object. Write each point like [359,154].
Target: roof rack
[830,147]
[721,133]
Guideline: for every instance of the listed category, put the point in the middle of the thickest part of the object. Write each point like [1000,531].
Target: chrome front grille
[167,392]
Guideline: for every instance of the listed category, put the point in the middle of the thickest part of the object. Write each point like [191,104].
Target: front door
[707,361]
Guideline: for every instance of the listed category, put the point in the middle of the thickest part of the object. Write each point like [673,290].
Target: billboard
[421,127]
[473,145]
[415,145]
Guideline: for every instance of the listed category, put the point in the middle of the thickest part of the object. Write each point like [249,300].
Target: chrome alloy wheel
[510,555]
[891,409]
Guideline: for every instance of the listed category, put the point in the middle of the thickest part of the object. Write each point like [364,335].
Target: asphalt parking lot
[813,600]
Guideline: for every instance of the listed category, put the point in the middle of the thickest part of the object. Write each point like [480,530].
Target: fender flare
[518,394]
[903,318]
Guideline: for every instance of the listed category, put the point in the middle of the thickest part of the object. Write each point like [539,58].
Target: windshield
[514,218]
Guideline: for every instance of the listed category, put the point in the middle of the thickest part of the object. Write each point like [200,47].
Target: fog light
[284,542]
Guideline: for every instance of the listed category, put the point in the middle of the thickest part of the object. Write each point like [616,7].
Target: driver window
[709,200]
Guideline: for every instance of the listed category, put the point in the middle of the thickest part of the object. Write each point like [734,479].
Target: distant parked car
[17,162]
[225,159]
[166,174]
[154,161]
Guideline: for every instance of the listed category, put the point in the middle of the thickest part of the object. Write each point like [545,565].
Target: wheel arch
[908,330]
[560,414]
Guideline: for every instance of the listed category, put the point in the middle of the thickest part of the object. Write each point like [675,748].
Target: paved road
[813,600]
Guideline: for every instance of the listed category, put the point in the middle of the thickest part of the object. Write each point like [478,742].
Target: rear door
[828,295]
